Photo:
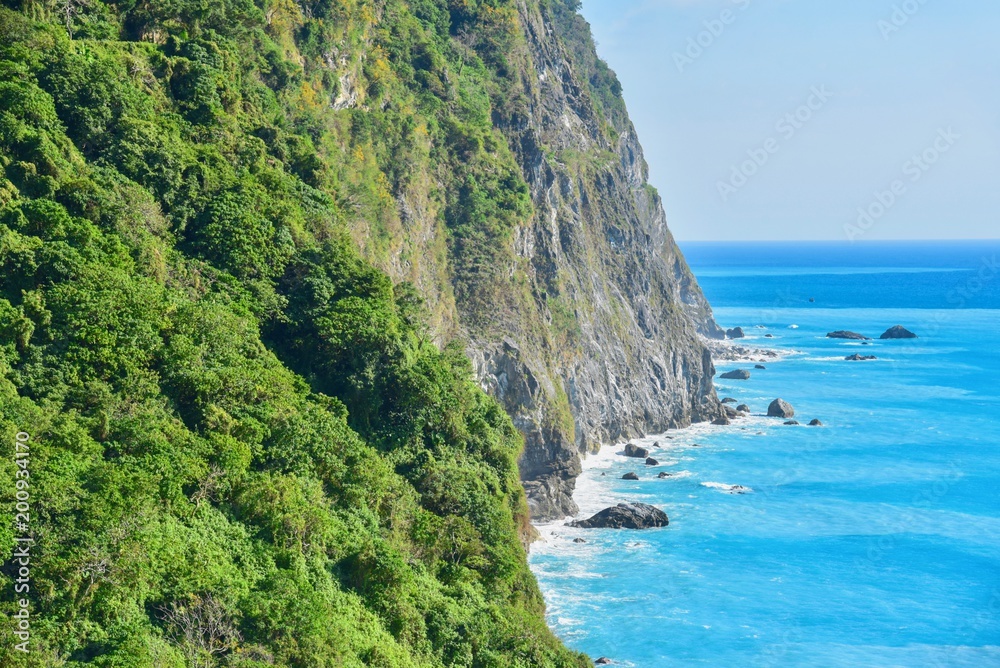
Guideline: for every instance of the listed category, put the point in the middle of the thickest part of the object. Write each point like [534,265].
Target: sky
[844,120]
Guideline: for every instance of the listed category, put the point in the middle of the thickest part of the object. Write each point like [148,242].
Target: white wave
[726,487]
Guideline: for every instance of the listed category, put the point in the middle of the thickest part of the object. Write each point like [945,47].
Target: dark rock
[769,336]
[630,476]
[729,400]
[721,421]
[860,358]
[633,450]
[812,300]
[603,474]
[743,408]
[759,366]
[651,462]
[866,343]
[735,333]
[730,412]
[844,334]
[898,332]
[792,423]
[625,516]
[780,408]
[579,540]
[603,661]
[739,374]
[664,474]
[816,423]
[656,444]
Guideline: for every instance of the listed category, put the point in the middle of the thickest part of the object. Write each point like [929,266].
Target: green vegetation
[245,450]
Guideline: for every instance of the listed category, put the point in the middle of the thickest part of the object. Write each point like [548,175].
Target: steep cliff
[603,270]
[589,332]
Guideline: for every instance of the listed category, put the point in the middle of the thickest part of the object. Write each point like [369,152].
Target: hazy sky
[904,120]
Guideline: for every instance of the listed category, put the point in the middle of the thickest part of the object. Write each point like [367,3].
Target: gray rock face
[844,334]
[898,332]
[625,516]
[738,374]
[596,337]
[735,333]
[633,450]
[780,408]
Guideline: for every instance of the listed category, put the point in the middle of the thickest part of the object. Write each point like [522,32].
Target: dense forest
[246,449]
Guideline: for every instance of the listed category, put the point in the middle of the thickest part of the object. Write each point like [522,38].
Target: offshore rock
[738,374]
[780,408]
[898,332]
[633,450]
[844,334]
[625,516]
[735,333]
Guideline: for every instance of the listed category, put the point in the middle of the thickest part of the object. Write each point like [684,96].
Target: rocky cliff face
[589,333]
[599,247]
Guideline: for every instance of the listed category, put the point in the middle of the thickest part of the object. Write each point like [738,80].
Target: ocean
[873,540]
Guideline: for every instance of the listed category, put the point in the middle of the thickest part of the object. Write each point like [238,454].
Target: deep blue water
[871,541]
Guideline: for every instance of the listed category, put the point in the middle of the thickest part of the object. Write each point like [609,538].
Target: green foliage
[245,450]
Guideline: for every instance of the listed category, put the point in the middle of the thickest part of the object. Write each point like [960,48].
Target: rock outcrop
[860,358]
[738,374]
[625,516]
[844,334]
[633,450]
[735,333]
[780,408]
[898,332]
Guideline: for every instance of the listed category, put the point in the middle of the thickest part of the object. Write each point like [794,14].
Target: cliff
[589,334]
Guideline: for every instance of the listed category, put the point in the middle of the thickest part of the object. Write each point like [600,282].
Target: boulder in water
[739,374]
[816,423]
[735,333]
[721,421]
[780,408]
[625,516]
[759,366]
[743,408]
[603,661]
[633,450]
[729,400]
[663,474]
[792,423]
[630,476]
[898,332]
[860,358]
[651,462]
[844,334]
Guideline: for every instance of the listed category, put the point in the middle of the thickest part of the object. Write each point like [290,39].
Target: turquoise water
[871,541]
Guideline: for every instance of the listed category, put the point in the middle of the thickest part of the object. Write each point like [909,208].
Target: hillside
[247,252]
